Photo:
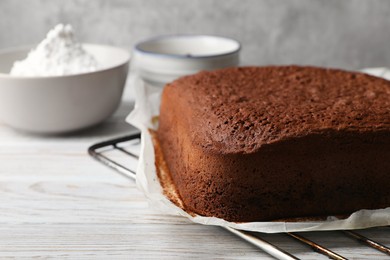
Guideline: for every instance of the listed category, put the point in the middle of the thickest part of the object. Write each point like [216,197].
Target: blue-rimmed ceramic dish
[162,59]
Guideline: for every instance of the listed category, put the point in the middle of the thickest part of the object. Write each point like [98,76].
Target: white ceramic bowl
[60,104]
[162,59]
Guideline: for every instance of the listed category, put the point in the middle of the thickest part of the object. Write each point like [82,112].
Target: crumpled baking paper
[147,105]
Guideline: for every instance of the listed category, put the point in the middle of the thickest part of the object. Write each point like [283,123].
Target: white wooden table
[57,202]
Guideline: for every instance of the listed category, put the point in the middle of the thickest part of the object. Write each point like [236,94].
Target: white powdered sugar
[58,54]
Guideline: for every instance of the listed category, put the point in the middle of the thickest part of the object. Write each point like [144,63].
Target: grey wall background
[339,33]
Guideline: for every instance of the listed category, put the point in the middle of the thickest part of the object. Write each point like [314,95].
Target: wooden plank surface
[57,202]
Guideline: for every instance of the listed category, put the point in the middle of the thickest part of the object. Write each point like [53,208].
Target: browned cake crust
[263,143]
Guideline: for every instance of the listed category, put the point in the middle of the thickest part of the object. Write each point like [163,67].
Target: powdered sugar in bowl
[59,54]
[62,102]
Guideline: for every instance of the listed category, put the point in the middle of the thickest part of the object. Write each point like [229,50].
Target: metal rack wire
[126,146]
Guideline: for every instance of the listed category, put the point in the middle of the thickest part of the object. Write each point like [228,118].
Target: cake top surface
[240,109]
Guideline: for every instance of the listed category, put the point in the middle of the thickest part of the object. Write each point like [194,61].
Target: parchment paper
[143,117]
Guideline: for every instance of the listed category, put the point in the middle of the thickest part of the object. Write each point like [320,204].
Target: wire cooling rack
[129,145]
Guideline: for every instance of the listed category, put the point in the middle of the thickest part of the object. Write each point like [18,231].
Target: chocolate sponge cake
[268,143]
